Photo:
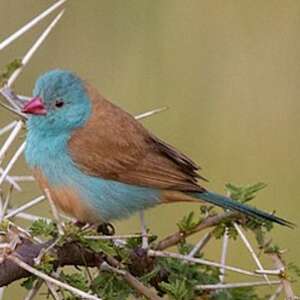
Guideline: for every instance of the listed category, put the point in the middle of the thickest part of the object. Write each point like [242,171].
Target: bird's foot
[106,229]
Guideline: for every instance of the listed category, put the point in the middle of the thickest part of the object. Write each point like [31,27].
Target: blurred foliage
[9,69]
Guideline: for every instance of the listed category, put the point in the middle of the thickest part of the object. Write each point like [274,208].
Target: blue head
[60,104]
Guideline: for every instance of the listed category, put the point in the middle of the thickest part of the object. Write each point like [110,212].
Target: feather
[113,145]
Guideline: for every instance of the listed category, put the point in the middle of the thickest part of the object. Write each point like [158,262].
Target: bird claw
[106,229]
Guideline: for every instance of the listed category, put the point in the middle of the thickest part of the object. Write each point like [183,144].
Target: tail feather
[228,203]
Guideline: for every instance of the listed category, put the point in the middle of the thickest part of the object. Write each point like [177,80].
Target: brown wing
[113,145]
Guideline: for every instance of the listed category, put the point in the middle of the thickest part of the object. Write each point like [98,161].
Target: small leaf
[77,280]
[29,282]
[44,228]
[9,69]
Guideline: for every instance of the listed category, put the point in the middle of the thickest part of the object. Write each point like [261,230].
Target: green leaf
[189,222]
[77,280]
[178,289]
[29,282]
[109,286]
[98,246]
[44,228]
[9,69]
[244,193]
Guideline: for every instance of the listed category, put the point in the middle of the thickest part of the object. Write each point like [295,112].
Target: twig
[250,249]
[33,202]
[12,162]
[178,236]
[199,261]
[12,181]
[113,237]
[8,127]
[15,102]
[289,293]
[28,217]
[10,139]
[11,109]
[70,254]
[43,251]
[132,281]
[32,293]
[223,255]
[5,204]
[235,285]
[106,267]
[33,49]
[145,243]
[150,113]
[53,291]
[54,213]
[22,178]
[277,293]
[48,278]
[275,272]
[30,24]
[200,244]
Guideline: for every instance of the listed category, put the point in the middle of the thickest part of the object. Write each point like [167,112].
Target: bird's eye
[59,103]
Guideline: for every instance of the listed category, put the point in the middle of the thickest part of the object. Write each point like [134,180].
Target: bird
[100,164]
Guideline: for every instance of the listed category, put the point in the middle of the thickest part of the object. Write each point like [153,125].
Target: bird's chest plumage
[87,198]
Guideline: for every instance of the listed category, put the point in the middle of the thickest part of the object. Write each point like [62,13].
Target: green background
[228,70]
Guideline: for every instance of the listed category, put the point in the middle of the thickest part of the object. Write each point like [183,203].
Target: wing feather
[113,145]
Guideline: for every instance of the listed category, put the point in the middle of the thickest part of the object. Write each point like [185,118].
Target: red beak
[35,107]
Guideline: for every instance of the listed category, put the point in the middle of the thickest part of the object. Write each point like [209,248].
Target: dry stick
[199,261]
[150,113]
[235,285]
[178,236]
[1,292]
[29,25]
[12,162]
[33,49]
[223,255]
[113,237]
[10,139]
[53,291]
[249,247]
[287,287]
[275,272]
[22,178]
[200,244]
[132,281]
[5,205]
[8,127]
[29,217]
[48,278]
[145,243]
[277,293]
[23,98]
[32,293]
[12,181]
[9,96]
[54,213]
[20,209]
[9,108]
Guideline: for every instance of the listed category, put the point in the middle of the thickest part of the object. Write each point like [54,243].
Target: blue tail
[228,203]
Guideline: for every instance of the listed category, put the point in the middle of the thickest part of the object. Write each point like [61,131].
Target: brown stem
[178,236]
[70,254]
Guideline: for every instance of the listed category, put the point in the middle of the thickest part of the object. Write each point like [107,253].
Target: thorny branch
[19,254]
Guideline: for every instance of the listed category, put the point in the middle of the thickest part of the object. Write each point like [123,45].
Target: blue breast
[111,199]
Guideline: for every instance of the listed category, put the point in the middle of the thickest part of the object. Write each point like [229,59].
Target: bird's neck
[45,151]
